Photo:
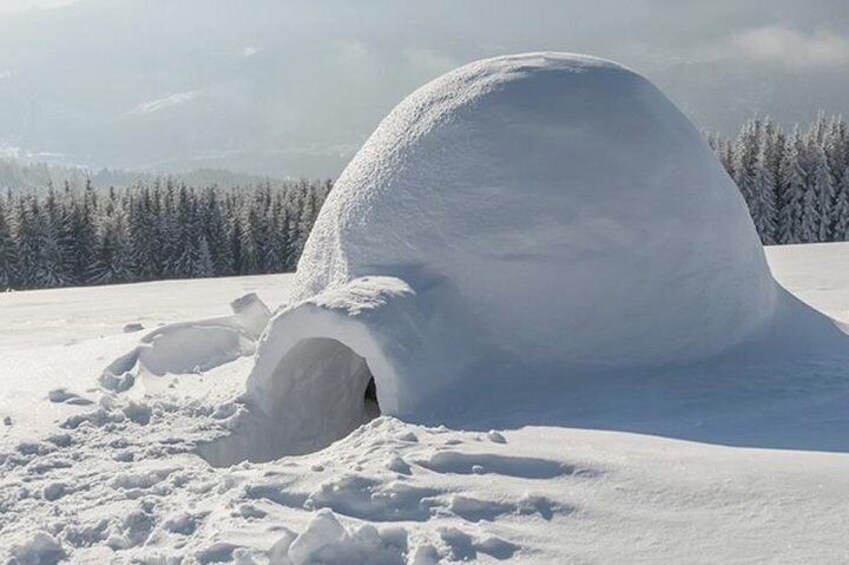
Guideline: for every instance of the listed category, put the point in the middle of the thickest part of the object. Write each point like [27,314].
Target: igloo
[537,212]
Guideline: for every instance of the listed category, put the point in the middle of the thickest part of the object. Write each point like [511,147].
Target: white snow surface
[546,215]
[542,224]
[564,203]
[119,480]
[538,274]
[58,338]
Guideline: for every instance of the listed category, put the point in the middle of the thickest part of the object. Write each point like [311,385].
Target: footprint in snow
[464,547]
[483,463]
[476,510]
[62,396]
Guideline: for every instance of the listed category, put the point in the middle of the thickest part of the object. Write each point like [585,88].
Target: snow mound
[42,549]
[326,540]
[188,347]
[560,198]
[530,214]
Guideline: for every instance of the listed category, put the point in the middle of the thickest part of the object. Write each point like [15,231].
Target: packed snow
[540,207]
[543,224]
[119,480]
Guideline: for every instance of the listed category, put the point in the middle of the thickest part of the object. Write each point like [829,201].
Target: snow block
[188,347]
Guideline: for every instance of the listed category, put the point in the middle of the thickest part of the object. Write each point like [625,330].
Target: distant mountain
[16,175]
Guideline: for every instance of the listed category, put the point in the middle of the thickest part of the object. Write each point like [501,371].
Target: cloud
[152,106]
[22,5]
[250,51]
[794,49]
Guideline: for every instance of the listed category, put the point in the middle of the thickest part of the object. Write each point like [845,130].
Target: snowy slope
[814,274]
[119,480]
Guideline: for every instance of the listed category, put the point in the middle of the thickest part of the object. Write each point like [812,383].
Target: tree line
[796,184]
[153,230]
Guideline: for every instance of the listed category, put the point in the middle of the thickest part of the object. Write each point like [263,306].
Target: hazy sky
[294,87]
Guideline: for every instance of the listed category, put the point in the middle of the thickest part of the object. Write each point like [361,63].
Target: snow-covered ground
[60,339]
[93,474]
[67,316]
[817,274]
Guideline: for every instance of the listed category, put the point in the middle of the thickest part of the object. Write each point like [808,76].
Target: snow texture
[192,346]
[119,481]
[521,217]
[607,393]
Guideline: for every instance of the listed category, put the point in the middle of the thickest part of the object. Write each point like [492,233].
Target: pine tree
[280,233]
[823,193]
[187,246]
[763,203]
[8,255]
[56,240]
[39,259]
[840,227]
[215,234]
[204,267]
[836,149]
[67,245]
[236,245]
[261,229]
[27,245]
[143,236]
[810,218]
[248,221]
[114,261]
[791,190]
[80,235]
[171,245]
[746,151]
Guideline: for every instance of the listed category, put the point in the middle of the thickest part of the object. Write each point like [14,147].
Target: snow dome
[538,210]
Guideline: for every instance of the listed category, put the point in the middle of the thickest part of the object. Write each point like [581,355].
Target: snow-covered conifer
[790,193]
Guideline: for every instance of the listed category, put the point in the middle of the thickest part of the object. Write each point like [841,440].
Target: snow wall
[543,209]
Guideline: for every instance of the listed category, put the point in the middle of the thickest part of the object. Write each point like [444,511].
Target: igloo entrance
[324,383]
[321,390]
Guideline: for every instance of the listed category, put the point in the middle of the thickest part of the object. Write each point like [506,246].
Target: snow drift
[190,347]
[538,210]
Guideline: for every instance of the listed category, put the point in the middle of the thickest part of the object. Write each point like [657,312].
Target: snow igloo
[537,210]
